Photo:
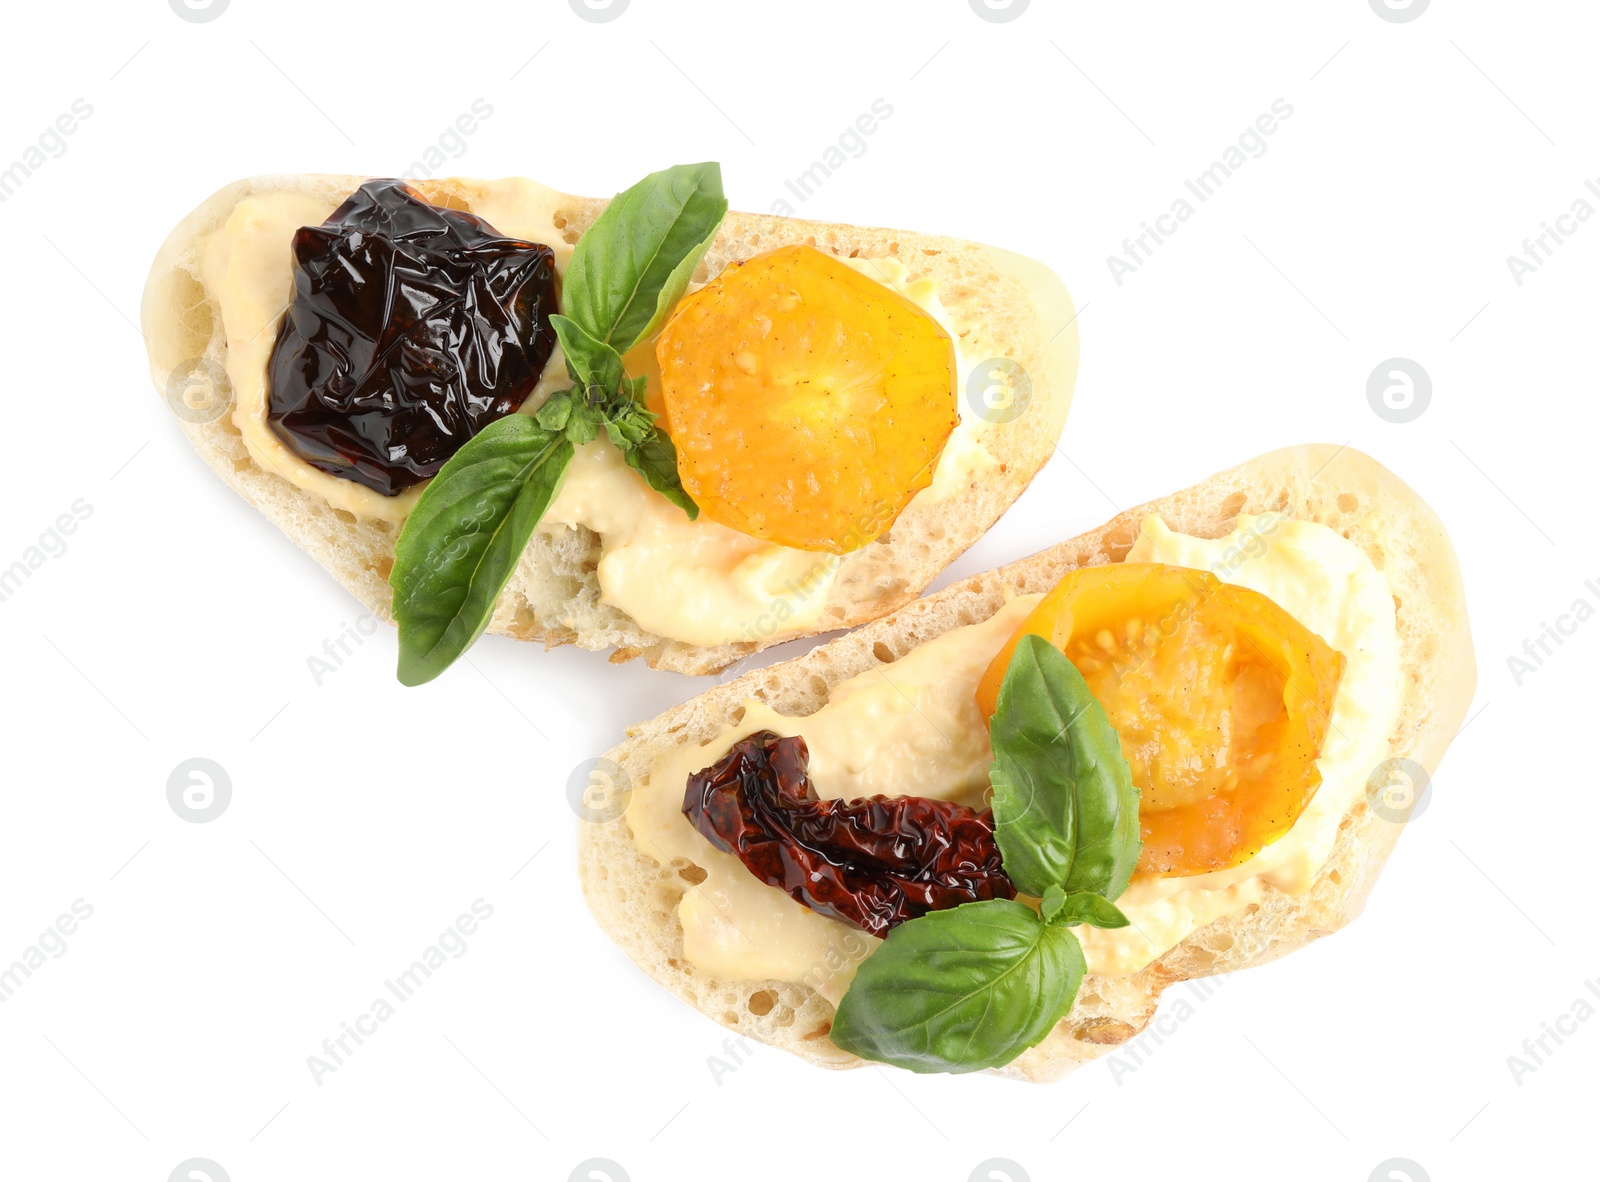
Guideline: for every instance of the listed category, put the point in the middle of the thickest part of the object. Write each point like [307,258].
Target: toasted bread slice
[635,899]
[1010,306]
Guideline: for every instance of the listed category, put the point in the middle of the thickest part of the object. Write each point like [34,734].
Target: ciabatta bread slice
[635,899]
[1014,307]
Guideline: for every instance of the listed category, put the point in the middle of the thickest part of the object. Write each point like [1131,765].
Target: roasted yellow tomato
[807,402]
[1221,699]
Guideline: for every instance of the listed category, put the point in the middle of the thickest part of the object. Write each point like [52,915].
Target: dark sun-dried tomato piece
[412,329]
[873,863]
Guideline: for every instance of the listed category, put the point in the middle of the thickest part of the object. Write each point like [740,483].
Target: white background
[365,817]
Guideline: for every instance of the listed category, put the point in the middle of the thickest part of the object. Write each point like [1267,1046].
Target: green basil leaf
[465,536]
[556,411]
[961,990]
[656,460]
[1066,811]
[634,263]
[585,421]
[629,424]
[1059,907]
[590,362]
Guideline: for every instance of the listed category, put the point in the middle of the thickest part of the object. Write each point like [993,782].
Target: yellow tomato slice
[808,403]
[1221,699]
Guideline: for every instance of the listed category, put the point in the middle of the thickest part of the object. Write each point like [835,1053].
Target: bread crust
[1018,307]
[628,892]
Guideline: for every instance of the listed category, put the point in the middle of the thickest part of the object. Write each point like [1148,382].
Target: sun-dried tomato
[874,863]
[413,328]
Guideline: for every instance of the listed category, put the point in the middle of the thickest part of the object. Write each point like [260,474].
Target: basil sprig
[463,540]
[975,986]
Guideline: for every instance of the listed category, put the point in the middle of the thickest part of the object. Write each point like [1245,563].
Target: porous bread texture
[1011,307]
[635,900]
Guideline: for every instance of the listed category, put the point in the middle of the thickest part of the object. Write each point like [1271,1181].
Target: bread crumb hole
[738,715]
[1105,1034]
[820,1032]
[383,566]
[1347,503]
[729,1018]
[1118,542]
[883,652]
[692,874]
[1334,877]
[761,1003]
